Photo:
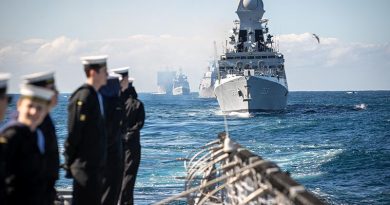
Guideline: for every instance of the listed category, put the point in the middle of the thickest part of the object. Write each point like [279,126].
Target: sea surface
[336,144]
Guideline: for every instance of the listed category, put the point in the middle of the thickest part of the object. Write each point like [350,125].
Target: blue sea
[336,144]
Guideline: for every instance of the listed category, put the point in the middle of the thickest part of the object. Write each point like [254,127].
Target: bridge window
[243,36]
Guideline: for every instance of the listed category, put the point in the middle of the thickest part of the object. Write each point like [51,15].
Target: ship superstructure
[206,86]
[251,72]
[181,85]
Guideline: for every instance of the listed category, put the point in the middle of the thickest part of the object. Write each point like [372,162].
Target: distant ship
[165,82]
[206,86]
[251,72]
[180,85]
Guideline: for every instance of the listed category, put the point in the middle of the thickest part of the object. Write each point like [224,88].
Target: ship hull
[206,92]
[181,91]
[251,94]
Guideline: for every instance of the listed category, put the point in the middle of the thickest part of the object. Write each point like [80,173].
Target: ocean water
[335,144]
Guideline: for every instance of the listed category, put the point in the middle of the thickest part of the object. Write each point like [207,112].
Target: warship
[251,72]
[180,85]
[206,86]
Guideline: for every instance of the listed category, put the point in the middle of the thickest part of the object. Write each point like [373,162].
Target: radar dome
[250,4]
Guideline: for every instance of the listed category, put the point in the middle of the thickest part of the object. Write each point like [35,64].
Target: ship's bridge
[262,63]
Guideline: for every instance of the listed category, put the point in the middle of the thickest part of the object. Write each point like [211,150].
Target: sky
[154,35]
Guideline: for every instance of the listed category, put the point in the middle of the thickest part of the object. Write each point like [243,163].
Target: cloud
[330,65]
[145,54]
[334,64]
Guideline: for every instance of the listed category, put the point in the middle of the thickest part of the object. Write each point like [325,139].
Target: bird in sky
[317,37]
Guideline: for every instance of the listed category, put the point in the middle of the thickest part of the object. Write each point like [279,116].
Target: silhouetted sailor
[112,181]
[46,80]
[4,100]
[132,124]
[86,145]
[25,162]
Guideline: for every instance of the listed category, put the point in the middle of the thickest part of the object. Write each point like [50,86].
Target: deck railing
[223,172]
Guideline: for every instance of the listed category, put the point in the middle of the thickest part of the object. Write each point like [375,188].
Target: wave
[234,114]
[361,106]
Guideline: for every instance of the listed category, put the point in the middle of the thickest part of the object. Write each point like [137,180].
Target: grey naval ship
[180,85]
[206,86]
[251,73]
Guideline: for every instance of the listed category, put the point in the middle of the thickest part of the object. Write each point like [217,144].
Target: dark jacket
[112,178]
[52,157]
[114,108]
[25,166]
[86,145]
[134,117]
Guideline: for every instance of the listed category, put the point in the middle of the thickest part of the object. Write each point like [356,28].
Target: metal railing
[223,172]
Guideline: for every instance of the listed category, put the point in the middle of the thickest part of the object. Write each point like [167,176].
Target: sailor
[46,80]
[132,124]
[25,165]
[86,145]
[112,181]
[4,101]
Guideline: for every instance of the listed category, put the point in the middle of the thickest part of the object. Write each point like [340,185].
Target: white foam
[241,114]
[361,106]
[234,114]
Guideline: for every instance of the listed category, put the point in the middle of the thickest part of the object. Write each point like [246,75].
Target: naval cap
[33,91]
[41,79]
[124,71]
[4,77]
[94,60]
[114,76]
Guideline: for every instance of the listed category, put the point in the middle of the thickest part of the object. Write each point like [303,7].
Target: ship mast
[249,33]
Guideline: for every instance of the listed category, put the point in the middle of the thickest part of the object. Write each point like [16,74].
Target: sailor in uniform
[86,145]
[25,165]
[4,101]
[132,124]
[46,80]
[112,181]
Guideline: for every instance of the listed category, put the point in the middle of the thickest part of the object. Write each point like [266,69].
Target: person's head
[95,68]
[4,98]
[33,105]
[131,90]
[124,73]
[44,80]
